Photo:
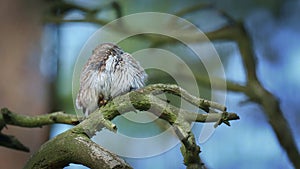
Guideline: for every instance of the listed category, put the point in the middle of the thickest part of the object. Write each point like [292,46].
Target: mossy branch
[74,145]
[11,118]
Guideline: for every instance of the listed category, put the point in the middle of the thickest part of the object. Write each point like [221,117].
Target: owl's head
[108,49]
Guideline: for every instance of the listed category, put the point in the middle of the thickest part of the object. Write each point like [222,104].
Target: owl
[108,73]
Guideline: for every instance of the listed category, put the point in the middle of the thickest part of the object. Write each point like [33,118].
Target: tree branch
[72,147]
[9,118]
[11,142]
[15,119]
[178,91]
[66,146]
[256,92]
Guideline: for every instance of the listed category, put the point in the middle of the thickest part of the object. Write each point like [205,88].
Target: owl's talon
[102,103]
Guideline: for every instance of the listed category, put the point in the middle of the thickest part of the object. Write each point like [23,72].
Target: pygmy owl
[108,73]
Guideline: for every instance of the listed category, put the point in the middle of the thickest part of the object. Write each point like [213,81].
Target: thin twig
[178,91]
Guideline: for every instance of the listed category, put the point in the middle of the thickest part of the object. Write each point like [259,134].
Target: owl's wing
[136,70]
[128,75]
[90,84]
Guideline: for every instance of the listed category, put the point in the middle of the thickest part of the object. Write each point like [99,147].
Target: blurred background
[41,40]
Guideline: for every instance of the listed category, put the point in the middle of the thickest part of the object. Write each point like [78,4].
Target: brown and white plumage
[108,73]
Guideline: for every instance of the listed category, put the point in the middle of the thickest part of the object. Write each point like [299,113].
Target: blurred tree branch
[236,31]
[255,90]
[75,146]
[57,10]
